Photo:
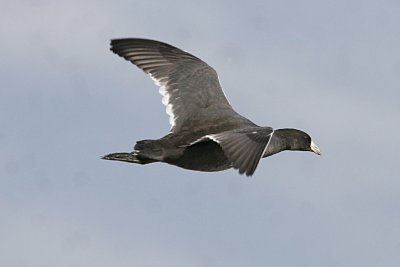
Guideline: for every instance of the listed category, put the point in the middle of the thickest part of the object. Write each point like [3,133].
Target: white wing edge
[265,149]
[169,109]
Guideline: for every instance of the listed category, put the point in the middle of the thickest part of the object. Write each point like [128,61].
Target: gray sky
[331,68]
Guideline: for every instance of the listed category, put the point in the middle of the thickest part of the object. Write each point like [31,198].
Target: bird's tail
[145,152]
[132,157]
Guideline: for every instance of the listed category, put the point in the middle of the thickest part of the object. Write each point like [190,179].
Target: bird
[206,133]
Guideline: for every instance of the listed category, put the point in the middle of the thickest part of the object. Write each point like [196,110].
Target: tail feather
[132,157]
[146,151]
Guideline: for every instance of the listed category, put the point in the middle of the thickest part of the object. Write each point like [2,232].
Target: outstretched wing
[189,86]
[243,147]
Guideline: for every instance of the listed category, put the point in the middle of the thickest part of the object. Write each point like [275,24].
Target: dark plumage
[206,133]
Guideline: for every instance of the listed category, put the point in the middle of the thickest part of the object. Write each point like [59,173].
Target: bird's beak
[314,148]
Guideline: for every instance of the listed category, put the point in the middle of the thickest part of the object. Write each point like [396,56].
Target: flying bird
[206,134]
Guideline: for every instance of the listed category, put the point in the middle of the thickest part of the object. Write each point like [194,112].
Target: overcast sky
[330,68]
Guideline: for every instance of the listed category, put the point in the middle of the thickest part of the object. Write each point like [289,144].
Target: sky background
[330,68]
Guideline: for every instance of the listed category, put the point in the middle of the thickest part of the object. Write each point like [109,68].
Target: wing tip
[248,172]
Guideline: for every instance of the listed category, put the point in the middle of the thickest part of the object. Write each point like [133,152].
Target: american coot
[206,133]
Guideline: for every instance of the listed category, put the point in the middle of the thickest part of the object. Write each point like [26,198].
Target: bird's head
[299,140]
[305,143]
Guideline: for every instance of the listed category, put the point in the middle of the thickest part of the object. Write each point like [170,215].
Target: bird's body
[206,134]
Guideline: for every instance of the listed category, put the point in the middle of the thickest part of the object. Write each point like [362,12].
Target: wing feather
[243,147]
[189,86]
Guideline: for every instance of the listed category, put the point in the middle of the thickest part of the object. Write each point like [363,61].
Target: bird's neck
[279,142]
